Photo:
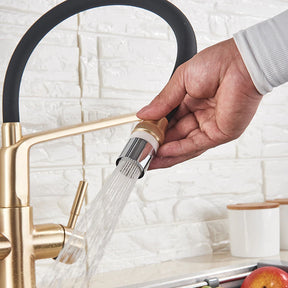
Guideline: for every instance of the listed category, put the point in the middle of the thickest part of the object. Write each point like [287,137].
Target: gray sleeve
[264,49]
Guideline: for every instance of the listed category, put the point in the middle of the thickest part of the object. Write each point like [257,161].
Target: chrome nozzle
[140,151]
[144,142]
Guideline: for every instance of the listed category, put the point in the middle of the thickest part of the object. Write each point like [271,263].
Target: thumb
[169,98]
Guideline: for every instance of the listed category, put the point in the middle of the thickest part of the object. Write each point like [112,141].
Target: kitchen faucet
[22,242]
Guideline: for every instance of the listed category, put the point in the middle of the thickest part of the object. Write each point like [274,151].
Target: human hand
[217,100]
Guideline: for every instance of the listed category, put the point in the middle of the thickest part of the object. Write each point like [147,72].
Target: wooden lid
[253,206]
[280,201]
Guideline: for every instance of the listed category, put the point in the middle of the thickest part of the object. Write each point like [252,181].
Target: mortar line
[170,224]
[100,80]
[81,85]
[264,191]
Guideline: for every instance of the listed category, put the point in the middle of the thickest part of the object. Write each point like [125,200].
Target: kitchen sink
[226,277]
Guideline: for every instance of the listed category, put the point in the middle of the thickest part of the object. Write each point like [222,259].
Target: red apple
[266,277]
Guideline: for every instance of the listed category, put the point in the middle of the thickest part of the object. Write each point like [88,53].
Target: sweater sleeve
[264,49]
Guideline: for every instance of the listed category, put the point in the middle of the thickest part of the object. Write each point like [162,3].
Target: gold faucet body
[22,242]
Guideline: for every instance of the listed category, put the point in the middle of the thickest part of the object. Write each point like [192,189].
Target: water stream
[97,227]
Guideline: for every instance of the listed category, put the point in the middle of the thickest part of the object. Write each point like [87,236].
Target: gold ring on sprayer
[156,128]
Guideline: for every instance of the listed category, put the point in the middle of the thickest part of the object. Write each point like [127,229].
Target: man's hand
[217,100]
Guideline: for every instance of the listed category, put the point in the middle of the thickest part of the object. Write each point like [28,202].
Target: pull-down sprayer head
[144,142]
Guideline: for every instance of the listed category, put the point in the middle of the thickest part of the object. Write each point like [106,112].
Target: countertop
[176,269]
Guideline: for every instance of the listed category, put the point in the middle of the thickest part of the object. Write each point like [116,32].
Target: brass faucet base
[16,225]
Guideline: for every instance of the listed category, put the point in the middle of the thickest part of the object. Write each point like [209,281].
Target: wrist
[243,72]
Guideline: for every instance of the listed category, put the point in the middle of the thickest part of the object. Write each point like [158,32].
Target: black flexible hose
[183,31]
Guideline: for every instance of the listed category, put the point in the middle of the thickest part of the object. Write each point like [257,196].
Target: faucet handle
[78,242]
[77,204]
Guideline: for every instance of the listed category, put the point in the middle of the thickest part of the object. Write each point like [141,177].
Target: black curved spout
[183,31]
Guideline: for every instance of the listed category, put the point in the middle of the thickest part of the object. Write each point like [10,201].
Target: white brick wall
[111,61]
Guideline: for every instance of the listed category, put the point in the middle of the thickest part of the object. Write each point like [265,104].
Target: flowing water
[97,227]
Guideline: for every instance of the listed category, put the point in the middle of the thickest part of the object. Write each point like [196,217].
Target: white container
[283,222]
[254,229]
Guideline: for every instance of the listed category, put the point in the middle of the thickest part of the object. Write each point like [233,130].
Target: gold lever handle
[77,204]
[77,242]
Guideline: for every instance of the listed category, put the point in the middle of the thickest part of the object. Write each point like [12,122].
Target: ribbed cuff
[264,49]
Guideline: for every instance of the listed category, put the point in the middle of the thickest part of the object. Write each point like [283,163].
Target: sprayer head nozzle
[144,142]
[140,151]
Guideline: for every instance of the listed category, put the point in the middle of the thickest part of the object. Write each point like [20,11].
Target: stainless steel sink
[226,277]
